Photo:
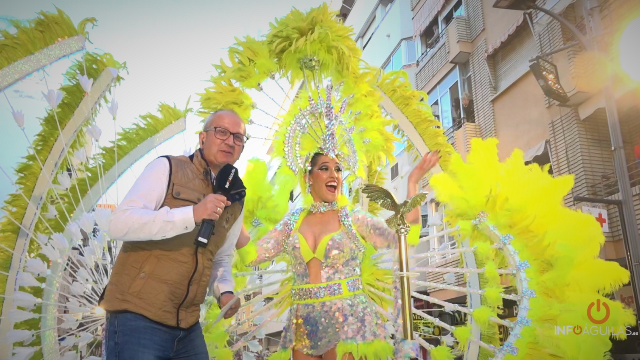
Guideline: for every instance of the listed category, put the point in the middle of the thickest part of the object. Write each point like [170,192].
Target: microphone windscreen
[226,179]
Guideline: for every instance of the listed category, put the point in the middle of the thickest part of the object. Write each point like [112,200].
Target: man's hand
[210,208]
[224,300]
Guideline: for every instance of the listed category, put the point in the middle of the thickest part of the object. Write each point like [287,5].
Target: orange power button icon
[606,316]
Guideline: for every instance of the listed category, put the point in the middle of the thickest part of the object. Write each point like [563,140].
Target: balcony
[451,46]
[441,261]
[460,46]
[460,135]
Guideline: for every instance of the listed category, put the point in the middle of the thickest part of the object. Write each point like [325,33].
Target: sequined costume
[336,313]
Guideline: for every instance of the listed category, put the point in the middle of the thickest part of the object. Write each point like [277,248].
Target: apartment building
[474,63]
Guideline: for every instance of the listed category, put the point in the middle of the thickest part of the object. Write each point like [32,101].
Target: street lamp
[514,4]
[546,73]
[592,15]
[629,49]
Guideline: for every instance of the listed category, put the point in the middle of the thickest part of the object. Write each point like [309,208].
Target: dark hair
[314,161]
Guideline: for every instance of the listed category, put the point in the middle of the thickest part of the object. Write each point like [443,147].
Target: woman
[331,317]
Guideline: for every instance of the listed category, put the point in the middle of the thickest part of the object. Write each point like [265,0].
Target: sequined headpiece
[330,130]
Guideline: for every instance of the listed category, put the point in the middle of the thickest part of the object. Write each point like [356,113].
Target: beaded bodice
[342,256]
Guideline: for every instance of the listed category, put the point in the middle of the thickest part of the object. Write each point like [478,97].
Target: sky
[169,47]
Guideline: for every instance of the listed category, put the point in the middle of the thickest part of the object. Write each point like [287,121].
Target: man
[161,277]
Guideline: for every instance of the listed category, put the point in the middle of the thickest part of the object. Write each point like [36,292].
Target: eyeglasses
[223,134]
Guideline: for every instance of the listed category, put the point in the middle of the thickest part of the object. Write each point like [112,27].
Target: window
[451,100]
[445,101]
[425,221]
[430,37]
[403,55]
[456,10]
[394,171]
[387,67]
[511,61]
[466,92]
[410,46]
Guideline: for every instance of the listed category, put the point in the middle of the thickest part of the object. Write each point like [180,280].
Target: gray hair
[213,114]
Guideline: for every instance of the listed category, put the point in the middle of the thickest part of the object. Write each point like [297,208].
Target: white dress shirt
[139,217]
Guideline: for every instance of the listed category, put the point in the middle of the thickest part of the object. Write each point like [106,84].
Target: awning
[425,15]
[535,151]
[496,44]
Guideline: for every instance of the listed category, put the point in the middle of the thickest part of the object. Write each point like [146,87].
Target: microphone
[227,181]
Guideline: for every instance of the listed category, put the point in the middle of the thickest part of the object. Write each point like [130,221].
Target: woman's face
[326,179]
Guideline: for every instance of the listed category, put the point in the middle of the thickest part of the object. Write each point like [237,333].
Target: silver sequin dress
[315,328]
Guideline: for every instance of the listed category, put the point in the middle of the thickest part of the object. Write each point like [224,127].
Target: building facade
[474,64]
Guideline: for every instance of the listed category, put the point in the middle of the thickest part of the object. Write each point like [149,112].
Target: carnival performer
[324,243]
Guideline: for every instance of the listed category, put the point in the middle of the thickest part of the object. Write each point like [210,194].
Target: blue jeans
[130,336]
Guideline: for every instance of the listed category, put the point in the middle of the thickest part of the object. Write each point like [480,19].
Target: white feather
[49,251]
[74,231]
[102,216]
[26,279]
[23,353]
[86,223]
[42,239]
[36,266]
[84,338]
[25,300]
[14,336]
[77,288]
[59,241]
[83,275]
[16,315]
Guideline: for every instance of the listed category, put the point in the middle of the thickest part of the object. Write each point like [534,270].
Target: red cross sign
[600,215]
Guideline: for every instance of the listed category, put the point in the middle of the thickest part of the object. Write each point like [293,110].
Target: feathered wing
[413,203]
[381,196]
[392,222]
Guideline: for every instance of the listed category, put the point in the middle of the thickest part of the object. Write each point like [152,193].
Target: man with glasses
[161,277]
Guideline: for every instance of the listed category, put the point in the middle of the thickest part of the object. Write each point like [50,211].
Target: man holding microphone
[161,276]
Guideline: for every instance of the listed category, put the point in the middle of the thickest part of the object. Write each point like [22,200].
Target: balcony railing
[608,185]
[432,45]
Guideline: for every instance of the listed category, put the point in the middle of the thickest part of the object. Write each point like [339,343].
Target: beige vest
[166,280]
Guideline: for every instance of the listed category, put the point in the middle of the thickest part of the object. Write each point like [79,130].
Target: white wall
[393,27]
[360,13]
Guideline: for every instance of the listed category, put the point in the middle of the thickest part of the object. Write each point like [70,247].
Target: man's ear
[201,139]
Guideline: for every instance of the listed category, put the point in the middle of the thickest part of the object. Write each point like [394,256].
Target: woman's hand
[427,163]
[243,239]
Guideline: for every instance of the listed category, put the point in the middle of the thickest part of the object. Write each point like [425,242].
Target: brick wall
[582,148]
[463,30]
[474,11]
[470,131]
[483,91]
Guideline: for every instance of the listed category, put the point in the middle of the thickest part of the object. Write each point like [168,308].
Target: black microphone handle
[206,231]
